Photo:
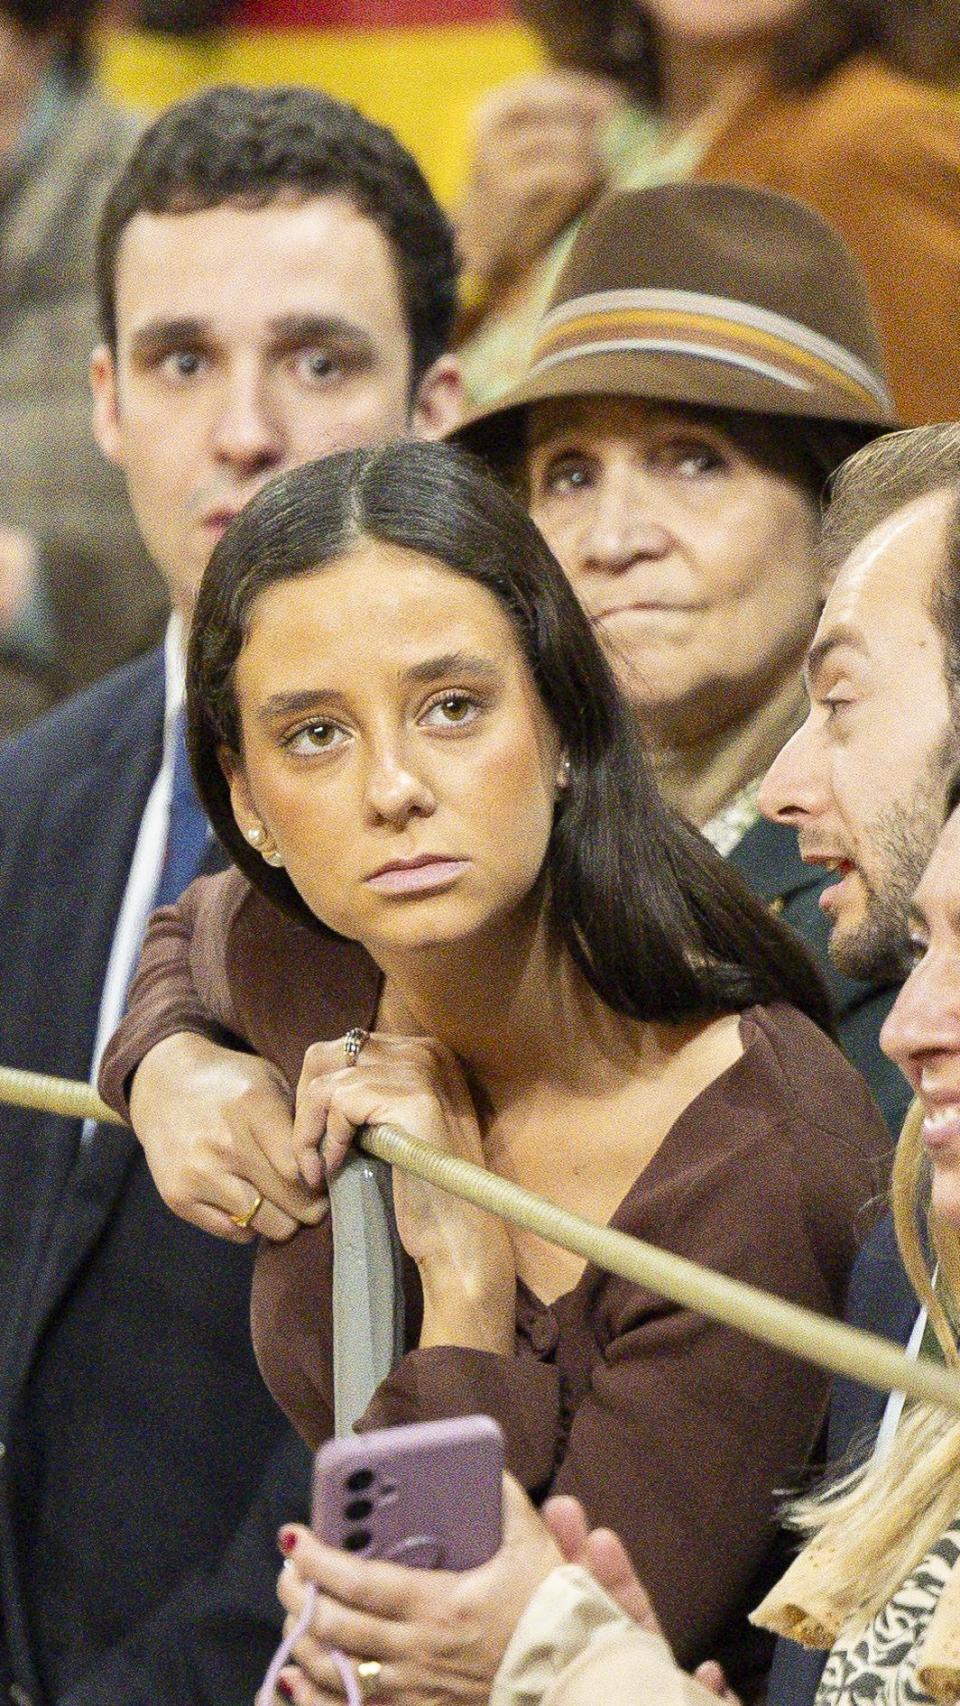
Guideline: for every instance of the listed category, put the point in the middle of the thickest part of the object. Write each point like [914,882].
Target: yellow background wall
[423,83]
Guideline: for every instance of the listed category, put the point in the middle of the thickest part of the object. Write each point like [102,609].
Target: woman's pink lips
[416,877]
[643,606]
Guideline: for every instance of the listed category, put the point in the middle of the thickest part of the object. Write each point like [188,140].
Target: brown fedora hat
[710,294]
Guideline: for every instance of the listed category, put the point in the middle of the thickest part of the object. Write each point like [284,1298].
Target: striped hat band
[707,328]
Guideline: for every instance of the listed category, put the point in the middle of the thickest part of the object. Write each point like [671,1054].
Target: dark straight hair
[659,925]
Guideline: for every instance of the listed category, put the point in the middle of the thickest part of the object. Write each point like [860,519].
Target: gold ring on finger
[242,1221]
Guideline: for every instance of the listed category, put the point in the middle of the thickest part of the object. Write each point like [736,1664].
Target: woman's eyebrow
[430,669]
[453,663]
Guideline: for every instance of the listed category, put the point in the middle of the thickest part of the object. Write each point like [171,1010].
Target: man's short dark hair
[893,471]
[251,147]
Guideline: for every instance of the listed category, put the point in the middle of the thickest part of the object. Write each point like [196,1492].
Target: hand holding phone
[427,1495]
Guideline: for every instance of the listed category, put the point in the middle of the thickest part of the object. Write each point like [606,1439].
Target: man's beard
[902,838]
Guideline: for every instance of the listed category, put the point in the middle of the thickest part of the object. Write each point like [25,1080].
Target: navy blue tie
[189,831]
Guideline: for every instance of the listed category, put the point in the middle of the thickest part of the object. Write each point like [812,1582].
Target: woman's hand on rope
[464,1255]
[439,1634]
[216,1127]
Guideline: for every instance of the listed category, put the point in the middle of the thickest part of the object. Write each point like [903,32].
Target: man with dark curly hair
[275,282]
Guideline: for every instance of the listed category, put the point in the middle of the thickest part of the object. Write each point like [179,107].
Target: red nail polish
[286,1540]
[285,1687]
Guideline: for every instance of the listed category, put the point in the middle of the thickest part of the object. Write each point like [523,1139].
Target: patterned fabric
[727,828]
[879,1666]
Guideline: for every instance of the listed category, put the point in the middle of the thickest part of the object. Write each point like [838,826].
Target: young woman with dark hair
[878,1584]
[406,734]
[854,108]
[659,928]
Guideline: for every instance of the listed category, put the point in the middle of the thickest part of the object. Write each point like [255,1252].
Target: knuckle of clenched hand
[215,1145]
[352,1583]
[314,1059]
[433,1056]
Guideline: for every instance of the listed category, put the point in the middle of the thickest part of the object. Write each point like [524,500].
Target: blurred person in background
[77,591]
[853,108]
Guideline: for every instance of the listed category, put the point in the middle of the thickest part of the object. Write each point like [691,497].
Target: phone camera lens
[360,1480]
[356,1540]
[357,1509]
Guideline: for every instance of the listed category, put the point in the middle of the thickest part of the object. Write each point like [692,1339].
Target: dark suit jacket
[145,1468]
[880,1299]
[767,859]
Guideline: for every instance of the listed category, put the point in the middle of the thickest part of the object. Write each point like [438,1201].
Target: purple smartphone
[427,1495]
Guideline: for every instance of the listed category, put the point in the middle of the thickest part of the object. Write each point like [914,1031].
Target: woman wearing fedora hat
[692,387]
[854,108]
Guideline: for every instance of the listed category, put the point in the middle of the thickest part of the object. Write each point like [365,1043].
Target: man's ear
[103,384]
[439,406]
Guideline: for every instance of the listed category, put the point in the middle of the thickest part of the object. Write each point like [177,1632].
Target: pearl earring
[563,772]
[273,858]
[257,835]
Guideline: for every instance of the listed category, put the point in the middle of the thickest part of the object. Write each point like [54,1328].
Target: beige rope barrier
[54,1096]
[829,1344]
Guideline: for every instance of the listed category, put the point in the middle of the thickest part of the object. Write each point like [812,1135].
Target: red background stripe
[367,14]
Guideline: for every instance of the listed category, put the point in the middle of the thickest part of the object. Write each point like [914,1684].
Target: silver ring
[353,1042]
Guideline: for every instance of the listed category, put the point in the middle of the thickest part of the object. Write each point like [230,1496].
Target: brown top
[676,1431]
[878,154]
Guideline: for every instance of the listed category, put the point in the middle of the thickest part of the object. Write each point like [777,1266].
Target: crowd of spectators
[537,629]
